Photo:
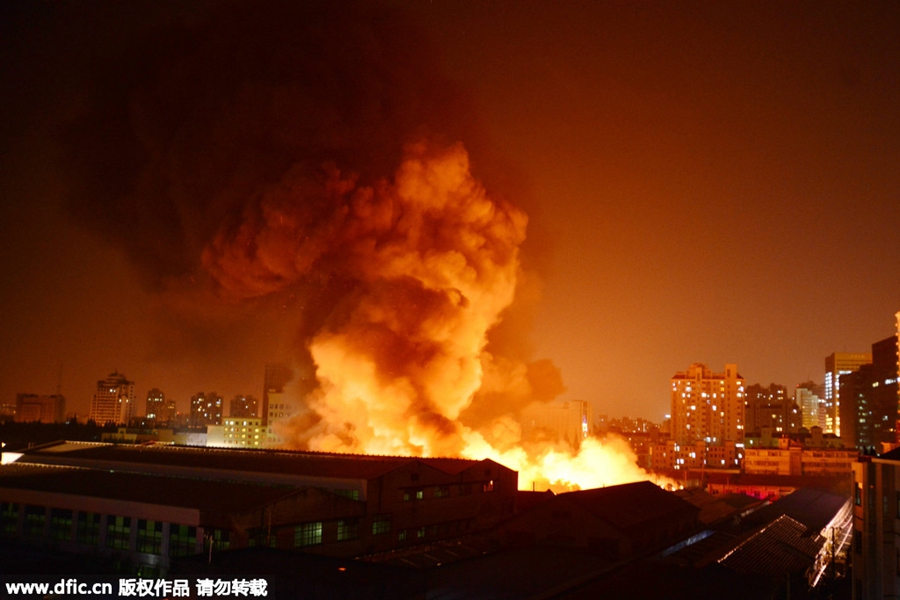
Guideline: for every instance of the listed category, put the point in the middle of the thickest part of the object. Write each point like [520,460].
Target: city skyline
[695,192]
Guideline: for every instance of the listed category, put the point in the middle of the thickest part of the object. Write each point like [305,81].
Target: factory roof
[281,462]
[217,496]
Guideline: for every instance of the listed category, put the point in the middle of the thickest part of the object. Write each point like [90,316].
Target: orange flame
[401,355]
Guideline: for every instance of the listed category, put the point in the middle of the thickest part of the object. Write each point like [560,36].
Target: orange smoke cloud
[430,262]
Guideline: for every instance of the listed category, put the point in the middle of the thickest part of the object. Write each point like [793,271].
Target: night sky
[707,182]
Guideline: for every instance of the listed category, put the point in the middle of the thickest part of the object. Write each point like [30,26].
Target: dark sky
[705,181]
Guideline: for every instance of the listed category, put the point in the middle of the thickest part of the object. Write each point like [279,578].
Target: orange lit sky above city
[709,182]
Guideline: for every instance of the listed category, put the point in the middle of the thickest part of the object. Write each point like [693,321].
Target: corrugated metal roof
[812,507]
[778,549]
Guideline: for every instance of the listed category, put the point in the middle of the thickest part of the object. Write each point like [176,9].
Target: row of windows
[149,533]
[443,491]
[310,534]
[439,530]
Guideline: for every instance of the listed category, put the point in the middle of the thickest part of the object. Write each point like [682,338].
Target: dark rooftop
[812,507]
[312,464]
[778,549]
[148,489]
[631,504]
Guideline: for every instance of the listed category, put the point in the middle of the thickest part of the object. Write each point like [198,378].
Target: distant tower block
[114,400]
[708,406]
[837,364]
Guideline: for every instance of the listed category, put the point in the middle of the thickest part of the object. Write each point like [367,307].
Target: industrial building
[147,504]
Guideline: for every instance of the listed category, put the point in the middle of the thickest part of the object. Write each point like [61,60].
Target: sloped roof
[780,548]
[630,505]
[311,464]
[814,508]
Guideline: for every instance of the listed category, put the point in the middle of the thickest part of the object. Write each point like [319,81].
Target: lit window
[308,534]
[381,524]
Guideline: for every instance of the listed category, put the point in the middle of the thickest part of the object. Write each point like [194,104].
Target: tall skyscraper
[114,400]
[837,364]
[708,406]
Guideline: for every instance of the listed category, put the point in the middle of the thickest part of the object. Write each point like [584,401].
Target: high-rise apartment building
[869,400]
[206,409]
[837,364]
[156,405]
[242,406]
[770,407]
[810,397]
[114,400]
[708,406]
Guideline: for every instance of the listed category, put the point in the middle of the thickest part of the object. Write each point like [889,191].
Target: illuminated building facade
[146,504]
[707,406]
[32,408]
[114,400]
[206,409]
[810,397]
[792,459]
[672,456]
[837,364]
[240,432]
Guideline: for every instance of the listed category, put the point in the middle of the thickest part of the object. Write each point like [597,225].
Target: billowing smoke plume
[432,263]
[308,160]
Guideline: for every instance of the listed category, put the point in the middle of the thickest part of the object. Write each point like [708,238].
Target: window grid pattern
[308,534]
[88,529]
[182,540]
[149,536]
[61,524]
[118,532]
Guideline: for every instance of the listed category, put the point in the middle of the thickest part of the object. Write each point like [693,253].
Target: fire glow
[430,263]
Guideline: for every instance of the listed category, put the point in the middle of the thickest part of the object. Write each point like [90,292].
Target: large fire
[431,262]
[263,151]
